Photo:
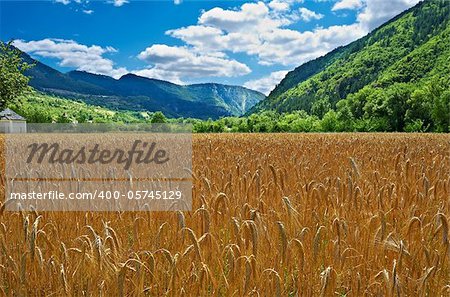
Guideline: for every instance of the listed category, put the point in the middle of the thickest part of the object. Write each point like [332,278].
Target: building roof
[10,115]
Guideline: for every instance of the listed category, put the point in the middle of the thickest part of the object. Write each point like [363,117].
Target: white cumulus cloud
[180,63]
[308,15]
[259,31]
[248,17]
[119,3]
[264,34]
[266,84]
[376,12]
[72,54]
[279,5]
[347,4]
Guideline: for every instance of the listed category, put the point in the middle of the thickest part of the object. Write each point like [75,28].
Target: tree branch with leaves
[13,81]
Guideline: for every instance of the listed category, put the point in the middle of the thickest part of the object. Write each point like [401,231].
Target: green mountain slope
[46,78]
[198,100]
[237,100]
[410,49]
[135,93]
[414,90]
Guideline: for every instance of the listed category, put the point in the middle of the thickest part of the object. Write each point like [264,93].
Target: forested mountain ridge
[136,93]
[46,78]
[407,54]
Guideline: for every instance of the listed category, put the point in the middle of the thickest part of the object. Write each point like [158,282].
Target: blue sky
[250,43]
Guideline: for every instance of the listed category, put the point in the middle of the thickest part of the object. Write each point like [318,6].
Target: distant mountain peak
[82,73]
[131,75]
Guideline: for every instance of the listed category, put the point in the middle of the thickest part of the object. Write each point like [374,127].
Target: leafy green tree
[64,118]
[415,126]
[441,112]
[218,127]
[13,82]
[344,116]
[306,124]
[397,97]
[419,110]
[330,122]
[158,117]
[321,107]
[374,124]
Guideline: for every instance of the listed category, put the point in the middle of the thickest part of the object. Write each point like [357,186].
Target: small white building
[11,122]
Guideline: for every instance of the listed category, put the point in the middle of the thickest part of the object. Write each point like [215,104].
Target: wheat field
[273,215]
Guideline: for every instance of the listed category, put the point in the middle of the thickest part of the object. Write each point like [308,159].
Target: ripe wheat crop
[273,215]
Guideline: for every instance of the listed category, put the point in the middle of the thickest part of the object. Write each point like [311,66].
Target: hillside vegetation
[42,108]
[396,76]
